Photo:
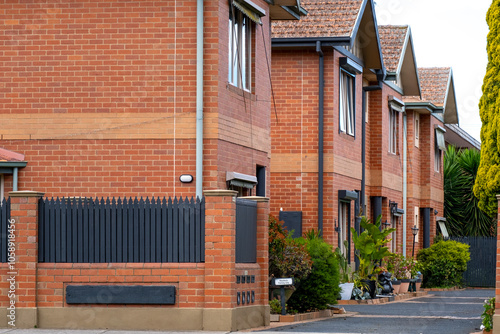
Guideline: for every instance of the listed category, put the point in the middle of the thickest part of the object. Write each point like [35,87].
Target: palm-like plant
[461,209]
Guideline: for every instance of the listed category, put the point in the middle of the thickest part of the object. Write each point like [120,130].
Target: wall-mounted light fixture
[186,178]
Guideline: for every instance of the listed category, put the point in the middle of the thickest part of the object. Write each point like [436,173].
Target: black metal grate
[4,223]
[246,231]
[481,270]
[128,230]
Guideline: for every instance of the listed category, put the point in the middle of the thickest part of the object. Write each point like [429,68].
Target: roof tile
[392,39]
[326,18]
[434,84]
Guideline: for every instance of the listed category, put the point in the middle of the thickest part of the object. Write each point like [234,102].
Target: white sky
[447,33]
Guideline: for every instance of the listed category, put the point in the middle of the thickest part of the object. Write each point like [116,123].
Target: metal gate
[246,231]
[481,267]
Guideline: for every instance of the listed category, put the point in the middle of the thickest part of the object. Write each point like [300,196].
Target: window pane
[350,110]
[343,101]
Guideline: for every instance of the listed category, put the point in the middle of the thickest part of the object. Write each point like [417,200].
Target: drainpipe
[405,144]
[199,99]
[320,136]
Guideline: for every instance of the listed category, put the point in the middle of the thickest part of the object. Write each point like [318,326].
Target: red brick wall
[69,68]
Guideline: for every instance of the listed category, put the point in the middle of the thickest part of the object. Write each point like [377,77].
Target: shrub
[287,258]
[321,287]
[275,306]
[443,264]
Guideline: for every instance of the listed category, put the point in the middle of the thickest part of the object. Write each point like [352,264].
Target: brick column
[220,258]
[24,215]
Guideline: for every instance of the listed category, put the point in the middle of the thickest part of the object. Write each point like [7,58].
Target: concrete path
[453,312]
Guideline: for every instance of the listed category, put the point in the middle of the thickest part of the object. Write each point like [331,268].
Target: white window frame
[347,102]
[416,125]
[240,50]
[437,159]
[393,130]
[344,217]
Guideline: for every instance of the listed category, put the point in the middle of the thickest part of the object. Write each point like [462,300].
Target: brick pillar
[24,215]
[220,258]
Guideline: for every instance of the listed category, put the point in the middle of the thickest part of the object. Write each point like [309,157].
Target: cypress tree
[487,184]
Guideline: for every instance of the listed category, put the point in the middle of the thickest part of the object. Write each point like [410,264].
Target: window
[393,130]
[240,50]
[439,146]
[346,116]
[417,128]
[344,217]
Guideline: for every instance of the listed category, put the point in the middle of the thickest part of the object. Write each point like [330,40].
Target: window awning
[396,103]
[241,180]
[440,138]
[251,10]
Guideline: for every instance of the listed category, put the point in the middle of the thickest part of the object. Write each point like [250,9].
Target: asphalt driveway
[449,312]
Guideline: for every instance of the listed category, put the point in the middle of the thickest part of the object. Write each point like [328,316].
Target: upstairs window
[393,130]
[417,128]
[347,95]
[438,147]
[240,49]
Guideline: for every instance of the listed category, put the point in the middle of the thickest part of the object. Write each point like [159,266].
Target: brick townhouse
[343,138]
[138,98]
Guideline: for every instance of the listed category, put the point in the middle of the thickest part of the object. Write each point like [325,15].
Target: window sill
[240,92]
[346,136]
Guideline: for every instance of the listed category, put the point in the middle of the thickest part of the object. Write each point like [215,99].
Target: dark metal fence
[246,231]
[481,267]
[111,231]
[4,222]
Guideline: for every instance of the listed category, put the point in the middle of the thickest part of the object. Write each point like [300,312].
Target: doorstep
[302,316]
[383,300]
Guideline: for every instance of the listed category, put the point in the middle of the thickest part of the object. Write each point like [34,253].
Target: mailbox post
[282,283]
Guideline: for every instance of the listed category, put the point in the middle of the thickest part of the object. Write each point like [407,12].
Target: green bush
[321,287]
[287,258]
[443,264]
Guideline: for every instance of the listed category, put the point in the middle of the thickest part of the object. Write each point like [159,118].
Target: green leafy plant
[370,247]
[321,287]
[287,257]
[487,184]
[487,316]
[345,268]
[443,264]
[463,215]
[275,306]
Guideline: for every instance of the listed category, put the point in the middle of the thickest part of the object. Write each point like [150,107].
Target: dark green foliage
[487,184]
[463,216]
[287,258]
[321,287]
[443,264]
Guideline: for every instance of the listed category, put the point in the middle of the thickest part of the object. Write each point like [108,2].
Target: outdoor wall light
[186,178]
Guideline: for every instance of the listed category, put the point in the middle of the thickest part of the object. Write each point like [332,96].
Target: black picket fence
[4,222]
[116,230]
[481,269]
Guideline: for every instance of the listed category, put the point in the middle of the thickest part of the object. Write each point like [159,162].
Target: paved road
[454,312]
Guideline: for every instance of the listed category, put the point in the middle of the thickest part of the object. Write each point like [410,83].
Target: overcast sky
[447,33]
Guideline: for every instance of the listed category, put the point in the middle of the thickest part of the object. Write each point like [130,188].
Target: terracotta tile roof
[434,84]
[6,155]
[326,18]
[392,39]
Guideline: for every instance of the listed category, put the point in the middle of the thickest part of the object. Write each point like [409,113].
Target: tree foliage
[487,184]
[463,215]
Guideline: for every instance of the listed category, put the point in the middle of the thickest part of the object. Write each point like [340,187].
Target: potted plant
[393,262]
[487,316]
[370,249]
[346,280]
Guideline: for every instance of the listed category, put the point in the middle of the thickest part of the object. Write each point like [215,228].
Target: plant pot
[346,290]
[405,284]
[418,284]
[396,285]
[372,287]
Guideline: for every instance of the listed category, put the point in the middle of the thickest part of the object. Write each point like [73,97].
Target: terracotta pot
[405,284]
[396,285]
[418,284]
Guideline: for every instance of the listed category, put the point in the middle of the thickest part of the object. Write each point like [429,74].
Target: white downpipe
[405,144]
[199,99]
